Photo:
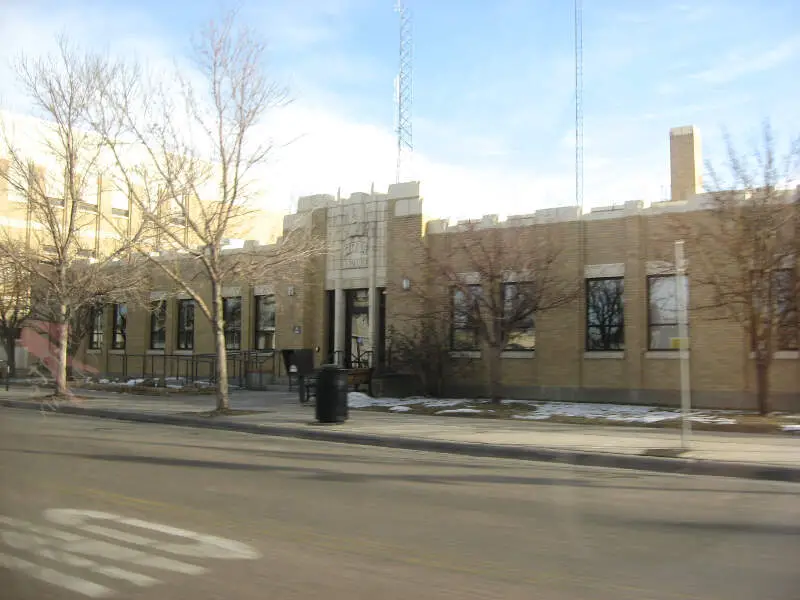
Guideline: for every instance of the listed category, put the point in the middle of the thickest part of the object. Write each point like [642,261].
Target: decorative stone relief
[607,270]
[266,289]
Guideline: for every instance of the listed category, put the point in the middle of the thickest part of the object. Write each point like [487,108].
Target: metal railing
[247,369]
[359,360]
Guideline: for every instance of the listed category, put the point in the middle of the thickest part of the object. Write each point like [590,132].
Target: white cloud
[332,150]
[739,64]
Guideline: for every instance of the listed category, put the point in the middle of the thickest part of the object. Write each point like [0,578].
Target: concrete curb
[581,458]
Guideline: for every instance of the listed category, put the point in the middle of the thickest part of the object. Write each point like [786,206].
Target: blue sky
[493,87]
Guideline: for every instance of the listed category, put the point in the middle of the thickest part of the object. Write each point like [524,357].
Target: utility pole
[682,300]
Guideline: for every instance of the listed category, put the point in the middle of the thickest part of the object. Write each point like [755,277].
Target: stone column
[338,325]
[373,296]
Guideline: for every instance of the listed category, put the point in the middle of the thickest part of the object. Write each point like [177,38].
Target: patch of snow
[791,428]
[400,409]
[104,381]
[525,402]
[133,382]
[443,403]
[620,413]
[361,400]
[532,417]
[453,411]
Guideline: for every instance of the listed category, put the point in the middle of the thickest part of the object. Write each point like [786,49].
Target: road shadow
[340,476]
[701,527]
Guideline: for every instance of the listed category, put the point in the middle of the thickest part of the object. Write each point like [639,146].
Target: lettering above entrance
[354,252]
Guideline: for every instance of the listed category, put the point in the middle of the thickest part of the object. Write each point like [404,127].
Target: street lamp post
[682,300]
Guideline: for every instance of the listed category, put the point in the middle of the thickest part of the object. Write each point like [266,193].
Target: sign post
[682,300]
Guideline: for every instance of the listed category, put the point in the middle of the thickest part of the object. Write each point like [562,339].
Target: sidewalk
[771,457]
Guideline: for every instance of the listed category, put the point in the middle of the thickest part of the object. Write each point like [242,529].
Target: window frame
[232,329]
[475,346]
[118,331]
[787,327]
[97,328]
[650,324]
[185,327]
[258,331]
[519,328]
[620,326]
[158,308]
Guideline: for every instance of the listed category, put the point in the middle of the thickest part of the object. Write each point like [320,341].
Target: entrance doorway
[357,334]
[360,350]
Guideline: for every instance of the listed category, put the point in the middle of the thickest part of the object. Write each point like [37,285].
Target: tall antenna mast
[579,104]
[403,94]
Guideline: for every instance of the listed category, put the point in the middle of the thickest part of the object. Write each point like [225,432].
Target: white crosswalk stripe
[75,584]
[58,546]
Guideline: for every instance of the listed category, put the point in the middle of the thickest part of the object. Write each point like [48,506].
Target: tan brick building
[376,274]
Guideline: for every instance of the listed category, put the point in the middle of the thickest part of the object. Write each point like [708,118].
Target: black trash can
[331,395]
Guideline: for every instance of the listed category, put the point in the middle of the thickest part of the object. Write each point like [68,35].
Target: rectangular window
[97,328]
[785,286]
[663,310]
[265,323]
[464,328]
[605,314]
[185,325]
[232,322]
[518,308]
[158,324]
[119,326]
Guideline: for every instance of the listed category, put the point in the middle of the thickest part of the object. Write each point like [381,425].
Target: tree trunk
[493,358]
[11,355]
[61,358]
[221,370]
[762,386]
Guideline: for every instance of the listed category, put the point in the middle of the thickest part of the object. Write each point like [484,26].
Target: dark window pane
[518,305]
[464,317]
[265,322]
[120,326]
[158,325]
[464,339]
[232,322]
[605,314]
[786,309]
[96,332]
[185,324]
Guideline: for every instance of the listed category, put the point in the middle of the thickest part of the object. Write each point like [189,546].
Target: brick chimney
[686,162]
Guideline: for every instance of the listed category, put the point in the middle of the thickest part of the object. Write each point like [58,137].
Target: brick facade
[381,242]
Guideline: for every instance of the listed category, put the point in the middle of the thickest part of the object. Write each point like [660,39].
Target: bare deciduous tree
[748,249]
[53,173]
[422,349]
[498,281]
[194,186]
[15,307]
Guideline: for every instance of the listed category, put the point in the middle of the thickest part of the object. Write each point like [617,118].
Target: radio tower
[404,95]
[579,104]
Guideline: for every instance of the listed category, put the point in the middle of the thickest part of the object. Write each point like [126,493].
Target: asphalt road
[94,508]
